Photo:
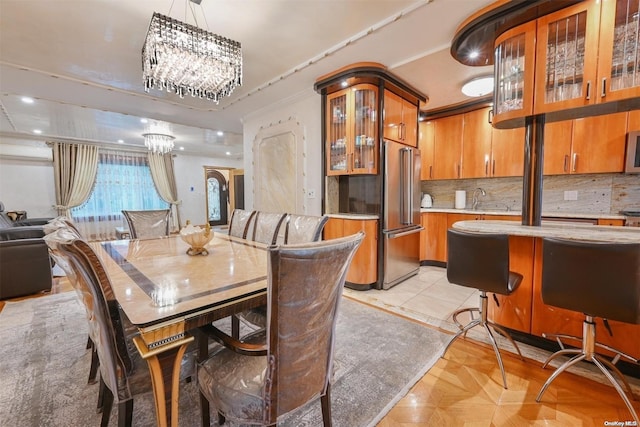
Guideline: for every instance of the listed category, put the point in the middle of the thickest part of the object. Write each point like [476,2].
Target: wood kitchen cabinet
[363,271]
[400,119]
[633,122]
[433,238]
[352,131]
[587,145]
[426,145]
[507,152]
[448,147]
[476,144]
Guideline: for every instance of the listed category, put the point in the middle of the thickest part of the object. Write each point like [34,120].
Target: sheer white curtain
[123,181]
[161,166]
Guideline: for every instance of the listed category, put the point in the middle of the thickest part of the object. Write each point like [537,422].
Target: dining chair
[259,383]
[298,229]
[240,222]
[266,226]
[147,224]
[67,223]
[123,372]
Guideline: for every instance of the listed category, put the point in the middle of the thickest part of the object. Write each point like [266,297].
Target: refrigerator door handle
[406,185]
[403,233]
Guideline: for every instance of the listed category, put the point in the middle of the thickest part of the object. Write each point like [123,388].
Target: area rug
[44,367]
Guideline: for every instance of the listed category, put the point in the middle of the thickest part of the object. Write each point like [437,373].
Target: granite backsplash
[595,193]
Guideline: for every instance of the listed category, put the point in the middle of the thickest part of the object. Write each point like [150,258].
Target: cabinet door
[365,152]
[426,146]
[448,147]
[392,116]
[476,144]
[598,144]
[566,58]
[333,229]
[337,133]
[634,121]
[618,66]
[409,123]
[557,147]
[364,266]
[515,71]
[433,240]
[507,152]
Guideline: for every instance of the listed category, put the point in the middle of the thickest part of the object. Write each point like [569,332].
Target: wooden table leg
[164,367]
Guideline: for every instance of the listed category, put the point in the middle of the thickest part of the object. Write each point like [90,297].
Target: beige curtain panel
[165,180]
[75,167]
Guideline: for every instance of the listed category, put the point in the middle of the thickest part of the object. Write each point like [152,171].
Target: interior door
[217,197]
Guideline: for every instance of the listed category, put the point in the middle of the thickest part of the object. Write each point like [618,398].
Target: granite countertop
[353,216]
[585,232]
[517,213]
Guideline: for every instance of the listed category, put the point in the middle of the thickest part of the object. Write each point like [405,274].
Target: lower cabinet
[363,271]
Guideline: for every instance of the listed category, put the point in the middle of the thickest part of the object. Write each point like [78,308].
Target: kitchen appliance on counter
[427,201]
[631,218]
[401,213]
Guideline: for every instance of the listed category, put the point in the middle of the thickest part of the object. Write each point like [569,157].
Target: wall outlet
[571,195]
[311,194]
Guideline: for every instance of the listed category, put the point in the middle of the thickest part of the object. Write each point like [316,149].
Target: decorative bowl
[197,238]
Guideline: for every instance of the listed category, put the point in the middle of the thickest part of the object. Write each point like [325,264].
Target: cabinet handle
[566,163]
[430,171]
[486,167]
[494,167]
[459,170]
[490,116]
[604,88]
[588,90]
[575,162]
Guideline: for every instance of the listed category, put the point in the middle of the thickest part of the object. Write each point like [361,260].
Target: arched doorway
[217,196]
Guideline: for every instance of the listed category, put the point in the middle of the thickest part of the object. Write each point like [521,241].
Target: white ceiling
[81,61]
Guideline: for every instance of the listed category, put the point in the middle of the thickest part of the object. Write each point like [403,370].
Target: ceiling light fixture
[478,86]
[27,100]
[182,58]
[158,142]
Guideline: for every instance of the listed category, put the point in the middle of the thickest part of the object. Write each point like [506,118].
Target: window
[123,181]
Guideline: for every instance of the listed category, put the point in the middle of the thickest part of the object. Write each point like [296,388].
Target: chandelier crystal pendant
[182,58]
[158,142]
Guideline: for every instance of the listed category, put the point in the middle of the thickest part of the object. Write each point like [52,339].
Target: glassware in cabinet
[364,152]
[337,132]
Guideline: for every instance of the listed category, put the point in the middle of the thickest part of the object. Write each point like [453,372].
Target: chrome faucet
[475,197]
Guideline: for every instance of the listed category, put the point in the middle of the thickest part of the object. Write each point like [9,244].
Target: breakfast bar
[524,310]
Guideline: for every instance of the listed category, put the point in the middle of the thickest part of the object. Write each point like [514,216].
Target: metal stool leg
[495,349]
[613,381]
[558,371]
[560,353]
[507,335]
[460,332]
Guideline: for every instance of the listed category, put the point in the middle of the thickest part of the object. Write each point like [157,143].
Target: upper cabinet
[578,56]
[448,147]
[400,119]
[358,102]
[426,141]
[476,144]
[352,131]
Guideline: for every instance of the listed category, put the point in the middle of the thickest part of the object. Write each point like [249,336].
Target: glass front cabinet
[581,55]
[352,128]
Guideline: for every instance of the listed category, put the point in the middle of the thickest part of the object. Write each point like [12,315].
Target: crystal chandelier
[183,58]
[158,142]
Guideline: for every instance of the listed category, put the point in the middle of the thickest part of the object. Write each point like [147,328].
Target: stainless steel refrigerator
[401,214]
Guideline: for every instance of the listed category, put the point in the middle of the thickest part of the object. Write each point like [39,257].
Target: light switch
[571,195]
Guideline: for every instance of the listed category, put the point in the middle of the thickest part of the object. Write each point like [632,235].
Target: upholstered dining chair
[298,229]
[259,383]
[266,226]
[481,261]
[123,372]
[240,222]
[147,224]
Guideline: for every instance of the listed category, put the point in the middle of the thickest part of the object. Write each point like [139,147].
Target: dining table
[167,294]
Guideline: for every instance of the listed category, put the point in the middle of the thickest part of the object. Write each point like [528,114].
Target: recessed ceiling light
[479,86]
[121,141]
[37,131]
[220,133]
[143,120]
[228,153]
[181,148]
[27,100]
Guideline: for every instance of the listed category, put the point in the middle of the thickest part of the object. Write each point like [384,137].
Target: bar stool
[481,261]
[599,280]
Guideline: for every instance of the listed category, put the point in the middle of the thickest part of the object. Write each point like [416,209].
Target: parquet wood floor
[465,389]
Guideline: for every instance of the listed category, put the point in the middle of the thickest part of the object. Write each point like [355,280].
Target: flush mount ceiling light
[182,58]
[158,142]
[478,86]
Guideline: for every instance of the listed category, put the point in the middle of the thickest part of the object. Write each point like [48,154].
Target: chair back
[61,222]
[304,291]
[266,227]
[240,222]
[479,261]
[594,278]
[91,282]
[148,224]
[304,228]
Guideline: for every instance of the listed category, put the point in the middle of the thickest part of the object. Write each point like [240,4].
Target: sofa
[25,264]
